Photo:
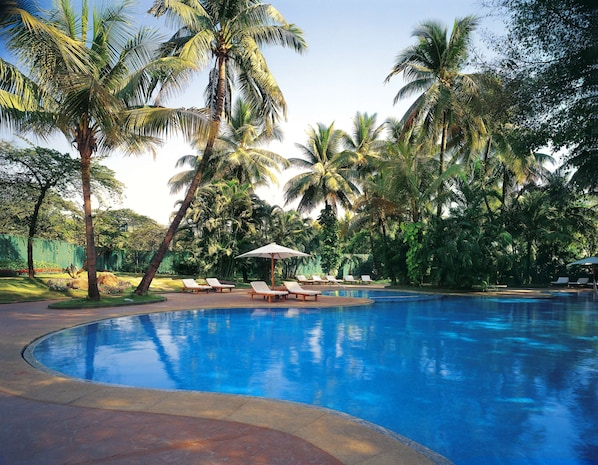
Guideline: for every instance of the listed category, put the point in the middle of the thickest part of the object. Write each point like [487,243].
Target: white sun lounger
[332,280]
[261,288]
[189,285]
[218,286]
[295,289]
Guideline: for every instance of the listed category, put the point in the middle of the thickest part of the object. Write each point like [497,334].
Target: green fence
[55,253]
[60,254]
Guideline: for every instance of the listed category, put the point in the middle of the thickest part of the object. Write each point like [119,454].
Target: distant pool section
[480,380]
[382,295]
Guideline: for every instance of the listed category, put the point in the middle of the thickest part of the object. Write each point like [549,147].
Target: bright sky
[352,46]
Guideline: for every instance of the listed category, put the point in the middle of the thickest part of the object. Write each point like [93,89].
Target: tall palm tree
[328,176]
[433,70]
[90,82]
[228,34]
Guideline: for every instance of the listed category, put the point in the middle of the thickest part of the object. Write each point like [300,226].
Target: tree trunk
[152,269]
[85,152]
[441,164]
[486,157]
[32,228]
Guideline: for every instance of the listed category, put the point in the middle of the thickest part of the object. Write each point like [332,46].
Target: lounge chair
[295,289]
[580,282]
[317,280]
[189,285]
[301,279]
[349,279]
[365,279]
[218,286]
[562,281]
[261,288]
[332,280]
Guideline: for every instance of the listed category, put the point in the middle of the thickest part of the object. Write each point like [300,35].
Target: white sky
[352,46]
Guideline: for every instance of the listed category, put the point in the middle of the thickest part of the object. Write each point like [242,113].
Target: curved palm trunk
[92,277]
[486,158]
[152,269]
[441,164]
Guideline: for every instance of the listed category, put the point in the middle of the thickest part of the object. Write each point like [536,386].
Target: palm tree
[363,145]
[433,70]
[90,82]
[237,154]
[328,177]
[228,34]
[240,154]
[408,174]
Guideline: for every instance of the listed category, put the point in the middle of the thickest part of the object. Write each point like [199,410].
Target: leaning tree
[226,34]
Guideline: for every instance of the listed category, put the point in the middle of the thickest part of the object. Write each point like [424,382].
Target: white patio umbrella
[593,261]
[273,251]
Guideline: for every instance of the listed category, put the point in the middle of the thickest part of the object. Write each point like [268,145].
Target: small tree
[46,170]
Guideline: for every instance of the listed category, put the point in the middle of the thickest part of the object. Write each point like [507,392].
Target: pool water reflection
[479,380]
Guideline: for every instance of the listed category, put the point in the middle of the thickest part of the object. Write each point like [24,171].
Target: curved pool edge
[348,439]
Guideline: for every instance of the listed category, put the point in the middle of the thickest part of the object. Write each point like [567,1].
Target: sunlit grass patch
[24,289]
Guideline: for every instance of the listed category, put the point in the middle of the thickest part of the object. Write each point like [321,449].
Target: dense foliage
[462,191]
[549,62]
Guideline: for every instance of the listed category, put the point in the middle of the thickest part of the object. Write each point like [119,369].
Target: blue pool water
[480,380]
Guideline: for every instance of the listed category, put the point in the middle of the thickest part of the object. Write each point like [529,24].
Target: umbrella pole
[272,271]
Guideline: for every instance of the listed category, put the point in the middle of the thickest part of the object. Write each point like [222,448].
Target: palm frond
[164,122]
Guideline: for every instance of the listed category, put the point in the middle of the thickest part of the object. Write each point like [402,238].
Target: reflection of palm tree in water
[91,338]
[163,356]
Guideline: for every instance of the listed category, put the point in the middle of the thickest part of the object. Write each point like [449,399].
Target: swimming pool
[479,380]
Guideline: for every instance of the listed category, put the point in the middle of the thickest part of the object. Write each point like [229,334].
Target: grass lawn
[23,289]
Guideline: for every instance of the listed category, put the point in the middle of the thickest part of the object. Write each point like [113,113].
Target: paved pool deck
[49,420]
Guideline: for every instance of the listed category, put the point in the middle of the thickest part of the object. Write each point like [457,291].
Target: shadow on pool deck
[48,419]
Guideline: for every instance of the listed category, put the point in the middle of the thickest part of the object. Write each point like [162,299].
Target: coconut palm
[90,82]
[228,34]
[238,153]
[364,143]
[22,25]
[433,70]
[328,177]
